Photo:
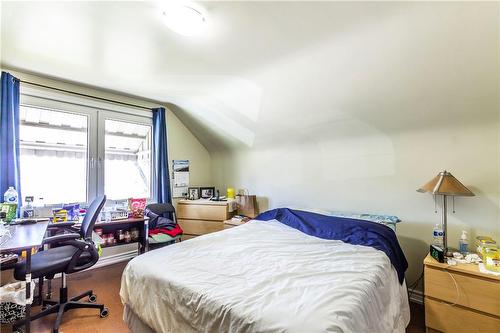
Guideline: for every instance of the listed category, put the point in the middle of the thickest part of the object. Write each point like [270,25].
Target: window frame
[97,112]
[104,115]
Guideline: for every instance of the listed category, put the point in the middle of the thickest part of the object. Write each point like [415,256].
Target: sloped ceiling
[274,72]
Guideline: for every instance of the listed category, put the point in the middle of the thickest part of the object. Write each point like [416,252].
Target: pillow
[369,217]
[388,220]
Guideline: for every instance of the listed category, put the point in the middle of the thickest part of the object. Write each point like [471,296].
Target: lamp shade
[445,184]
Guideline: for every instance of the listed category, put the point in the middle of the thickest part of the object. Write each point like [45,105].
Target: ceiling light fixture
[184,19]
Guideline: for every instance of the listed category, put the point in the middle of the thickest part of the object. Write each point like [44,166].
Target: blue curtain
[161,181]
[9,135]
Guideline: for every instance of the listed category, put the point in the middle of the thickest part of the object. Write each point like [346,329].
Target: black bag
[157,221]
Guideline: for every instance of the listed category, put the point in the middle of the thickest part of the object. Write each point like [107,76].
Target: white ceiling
[274,72]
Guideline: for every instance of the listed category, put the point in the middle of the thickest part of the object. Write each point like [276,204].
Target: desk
[24,238]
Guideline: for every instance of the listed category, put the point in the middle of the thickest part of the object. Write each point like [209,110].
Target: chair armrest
[60,238]
[58,225]
[67,227]
[86,245]
[80,243]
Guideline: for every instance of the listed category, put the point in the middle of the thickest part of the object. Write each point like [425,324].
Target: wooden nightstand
[460,298]
[199,217]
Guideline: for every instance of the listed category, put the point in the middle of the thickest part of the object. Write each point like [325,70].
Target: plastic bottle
[39,208]
[27,210]
[463,243]
[10,196]
[437,235]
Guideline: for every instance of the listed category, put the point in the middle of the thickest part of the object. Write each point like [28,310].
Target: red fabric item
[173,232]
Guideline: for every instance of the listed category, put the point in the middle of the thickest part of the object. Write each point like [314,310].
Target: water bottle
[10,196]
[463,243]
[437,236]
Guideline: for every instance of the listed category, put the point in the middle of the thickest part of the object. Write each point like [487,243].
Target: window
[71,152]
[54,150]
[128,161]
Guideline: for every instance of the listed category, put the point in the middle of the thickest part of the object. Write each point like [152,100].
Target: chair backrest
[91,216]
[162,209]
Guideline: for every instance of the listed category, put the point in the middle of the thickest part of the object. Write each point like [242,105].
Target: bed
[265,276]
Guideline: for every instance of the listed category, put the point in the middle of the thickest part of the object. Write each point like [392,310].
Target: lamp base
[449,252]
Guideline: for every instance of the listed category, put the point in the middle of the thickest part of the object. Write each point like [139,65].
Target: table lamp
[446,185]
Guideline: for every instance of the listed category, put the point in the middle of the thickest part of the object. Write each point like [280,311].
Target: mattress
[264,276]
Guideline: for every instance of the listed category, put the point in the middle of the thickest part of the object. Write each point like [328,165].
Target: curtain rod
[85,95]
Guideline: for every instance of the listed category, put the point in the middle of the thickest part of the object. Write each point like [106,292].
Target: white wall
[356,175]
[359,121]
[183,145]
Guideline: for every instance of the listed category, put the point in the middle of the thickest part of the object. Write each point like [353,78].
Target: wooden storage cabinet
[460,298]
[445,318]
[199,227]
[199,217]
[199,211]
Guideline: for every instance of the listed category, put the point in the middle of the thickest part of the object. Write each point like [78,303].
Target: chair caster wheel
[45,307]
[104,313]
[93,298]
[18,330]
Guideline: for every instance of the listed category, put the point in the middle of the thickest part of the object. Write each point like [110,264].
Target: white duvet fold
[265,277]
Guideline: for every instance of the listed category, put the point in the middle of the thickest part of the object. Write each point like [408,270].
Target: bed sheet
[264,276]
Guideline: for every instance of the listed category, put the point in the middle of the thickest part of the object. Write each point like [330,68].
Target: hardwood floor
[417,322]
[105,282]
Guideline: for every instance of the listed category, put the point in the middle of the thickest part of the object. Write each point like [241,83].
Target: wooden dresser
[460,298]
[199,217]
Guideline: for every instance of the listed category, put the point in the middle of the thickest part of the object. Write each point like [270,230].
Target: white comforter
[265,277]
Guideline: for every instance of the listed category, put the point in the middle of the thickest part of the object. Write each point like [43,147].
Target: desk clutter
[120,236]
[485,254]
[8,259]
[74,212]
[243,202]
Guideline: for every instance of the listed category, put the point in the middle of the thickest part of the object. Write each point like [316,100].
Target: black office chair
[75,252]
[162,209]
[165,210]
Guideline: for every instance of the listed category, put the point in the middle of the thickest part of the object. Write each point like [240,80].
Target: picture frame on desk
[207,192]
[193,193]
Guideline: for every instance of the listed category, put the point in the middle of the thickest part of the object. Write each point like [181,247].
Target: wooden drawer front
[202,212]
[200,227]
[455,319]
[474,292]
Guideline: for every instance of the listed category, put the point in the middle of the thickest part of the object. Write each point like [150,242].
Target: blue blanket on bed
[357,232]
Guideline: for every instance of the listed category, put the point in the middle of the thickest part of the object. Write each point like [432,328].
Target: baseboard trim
[114,259]
[109,260]
[417,297]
